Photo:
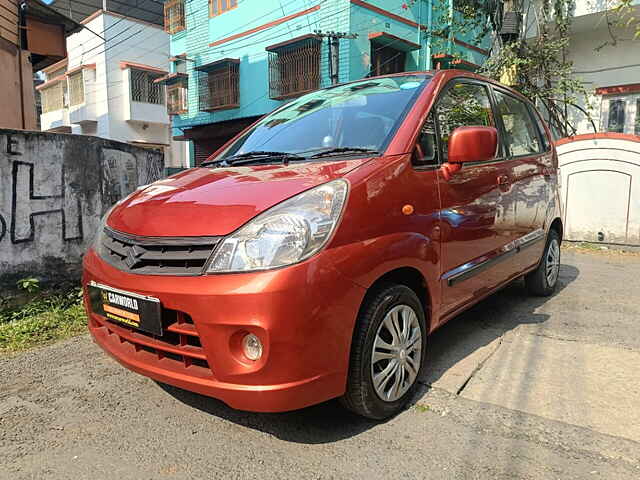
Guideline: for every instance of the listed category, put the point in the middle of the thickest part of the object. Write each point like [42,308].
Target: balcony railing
[177,98]
[294,67]
[219,85]
[75,85]
[53,97]
[174,19]
[144,89]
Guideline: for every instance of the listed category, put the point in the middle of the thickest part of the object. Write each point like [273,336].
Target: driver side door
[477,203]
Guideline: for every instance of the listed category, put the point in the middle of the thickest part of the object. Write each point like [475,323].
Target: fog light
[252,347]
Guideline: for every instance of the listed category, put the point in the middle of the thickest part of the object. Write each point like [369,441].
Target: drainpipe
[419,34]
[21,24]
[427,57]
[450,47]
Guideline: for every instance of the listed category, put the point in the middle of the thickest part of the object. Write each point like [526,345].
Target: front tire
[543,280]
[387,353]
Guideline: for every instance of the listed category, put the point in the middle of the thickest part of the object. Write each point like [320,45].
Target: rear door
[477,213]
[529,162]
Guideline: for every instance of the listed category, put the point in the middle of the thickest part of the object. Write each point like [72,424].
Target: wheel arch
[558,227]
[412,278]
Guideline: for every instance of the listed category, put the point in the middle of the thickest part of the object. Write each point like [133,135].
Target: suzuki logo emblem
[133,258]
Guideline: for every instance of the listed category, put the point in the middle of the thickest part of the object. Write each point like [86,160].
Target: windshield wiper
[335,151]
[258,156]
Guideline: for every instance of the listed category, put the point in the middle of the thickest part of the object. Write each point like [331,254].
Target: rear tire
[543,280]
[391,324]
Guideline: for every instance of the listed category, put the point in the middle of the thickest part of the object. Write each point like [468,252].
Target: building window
[53,97]
[386,60]
[177,97]
[174,20]
[636,128]
[219,85]
[616,116]
[143,88]
[76,88]
[216,7]
[294,67]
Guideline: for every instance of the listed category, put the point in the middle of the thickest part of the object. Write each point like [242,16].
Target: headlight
[288,233]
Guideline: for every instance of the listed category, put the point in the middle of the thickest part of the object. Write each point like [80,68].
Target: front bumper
[304,315]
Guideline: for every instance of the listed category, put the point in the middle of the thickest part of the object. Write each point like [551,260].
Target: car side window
[426,153]
[521,137]
[463,105]
[546,144]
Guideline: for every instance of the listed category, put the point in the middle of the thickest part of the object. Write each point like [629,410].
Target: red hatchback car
[312,255]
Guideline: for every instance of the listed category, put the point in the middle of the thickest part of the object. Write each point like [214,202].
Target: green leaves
[31,284]
[541,66]
[48,317]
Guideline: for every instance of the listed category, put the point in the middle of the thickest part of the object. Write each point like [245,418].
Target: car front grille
[179,343]
[156,255]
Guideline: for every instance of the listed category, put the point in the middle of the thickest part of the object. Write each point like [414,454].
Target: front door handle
[503,180]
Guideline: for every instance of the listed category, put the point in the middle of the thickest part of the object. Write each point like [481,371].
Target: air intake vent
[156,255]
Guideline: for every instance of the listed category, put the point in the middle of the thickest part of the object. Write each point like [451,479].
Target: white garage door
[597,206]
[600,187]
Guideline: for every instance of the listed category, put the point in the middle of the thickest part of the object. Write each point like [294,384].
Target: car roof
[450,74]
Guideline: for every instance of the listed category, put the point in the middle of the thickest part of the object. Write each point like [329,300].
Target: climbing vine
[537,64]
[534,59]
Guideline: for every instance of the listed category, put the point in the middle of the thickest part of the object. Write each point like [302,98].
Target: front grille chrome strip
[179,256]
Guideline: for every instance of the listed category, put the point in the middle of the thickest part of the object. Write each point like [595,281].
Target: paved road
[518,388]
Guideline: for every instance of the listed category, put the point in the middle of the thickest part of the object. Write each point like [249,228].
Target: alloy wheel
[397,353]
[552,263]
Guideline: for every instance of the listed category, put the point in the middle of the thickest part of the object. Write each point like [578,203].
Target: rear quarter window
[521,132]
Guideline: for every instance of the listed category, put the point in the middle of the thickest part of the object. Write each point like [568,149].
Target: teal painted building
[235,60]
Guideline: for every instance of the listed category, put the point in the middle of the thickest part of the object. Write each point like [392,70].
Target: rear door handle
[503,180]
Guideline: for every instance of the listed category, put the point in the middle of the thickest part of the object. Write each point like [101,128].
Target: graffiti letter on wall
[11,145]
[3,228]
[27,204]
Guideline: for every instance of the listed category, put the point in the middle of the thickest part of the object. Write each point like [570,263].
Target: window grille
[52,97]
[177,98]
[216,7]
[174,19]
[294,68]
[218,85]
[616,116]
[76,88]
[143,89]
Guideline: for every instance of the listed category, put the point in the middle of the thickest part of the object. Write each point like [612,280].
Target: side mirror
[470,144]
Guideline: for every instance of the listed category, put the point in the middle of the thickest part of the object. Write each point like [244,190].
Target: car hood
[217,201]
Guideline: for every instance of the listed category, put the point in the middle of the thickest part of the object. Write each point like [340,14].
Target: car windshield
[362,116]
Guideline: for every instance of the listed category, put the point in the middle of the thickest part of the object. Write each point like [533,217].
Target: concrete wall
[597,61]
[605,67]
[54,190]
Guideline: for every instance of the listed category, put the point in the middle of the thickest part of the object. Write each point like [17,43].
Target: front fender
[366,261]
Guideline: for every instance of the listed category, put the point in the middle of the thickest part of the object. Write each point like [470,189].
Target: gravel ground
[68,411]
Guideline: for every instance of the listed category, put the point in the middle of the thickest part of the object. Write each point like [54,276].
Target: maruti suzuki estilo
[312,255]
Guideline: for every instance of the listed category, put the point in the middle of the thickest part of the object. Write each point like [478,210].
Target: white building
[606,58]
[106,87]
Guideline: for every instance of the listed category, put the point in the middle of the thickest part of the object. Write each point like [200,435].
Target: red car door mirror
[470,144]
